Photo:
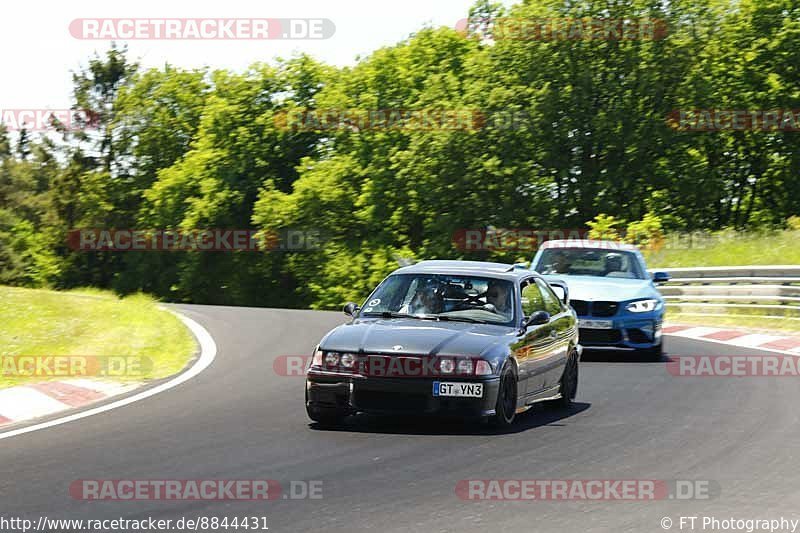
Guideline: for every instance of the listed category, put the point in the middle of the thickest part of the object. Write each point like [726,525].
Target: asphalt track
[239,420]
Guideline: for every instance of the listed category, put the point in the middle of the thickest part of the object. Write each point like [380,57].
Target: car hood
[607,289]
[411,336]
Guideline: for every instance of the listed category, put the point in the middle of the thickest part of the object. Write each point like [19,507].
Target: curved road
[238,420]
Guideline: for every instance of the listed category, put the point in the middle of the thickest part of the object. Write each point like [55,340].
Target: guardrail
[759,291]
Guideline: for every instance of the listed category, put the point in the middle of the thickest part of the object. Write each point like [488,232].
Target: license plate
[595,324]
[460,390]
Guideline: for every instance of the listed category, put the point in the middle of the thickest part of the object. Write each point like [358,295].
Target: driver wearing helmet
[613,263]
[427,299]
[499,295]
[560,264]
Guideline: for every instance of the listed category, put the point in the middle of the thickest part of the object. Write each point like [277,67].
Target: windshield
[589,262]
[444,297]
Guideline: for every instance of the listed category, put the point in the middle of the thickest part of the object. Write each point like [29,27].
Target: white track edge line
[208,351]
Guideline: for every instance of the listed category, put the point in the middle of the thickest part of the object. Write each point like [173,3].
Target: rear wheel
[568,387]
[506,406]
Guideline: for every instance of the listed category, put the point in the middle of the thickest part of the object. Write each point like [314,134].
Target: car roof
[587,243]
[467,268]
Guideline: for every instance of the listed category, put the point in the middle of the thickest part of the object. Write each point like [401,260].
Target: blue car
[613,294]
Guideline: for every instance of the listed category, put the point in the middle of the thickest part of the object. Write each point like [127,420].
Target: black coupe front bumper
[355,393]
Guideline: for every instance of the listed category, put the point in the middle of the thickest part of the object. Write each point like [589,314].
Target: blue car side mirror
[660,277]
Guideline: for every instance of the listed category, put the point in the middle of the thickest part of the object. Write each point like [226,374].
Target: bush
[646,233]
[604,227]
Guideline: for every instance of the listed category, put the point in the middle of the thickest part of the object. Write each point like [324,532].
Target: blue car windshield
[590,262]
[444,297]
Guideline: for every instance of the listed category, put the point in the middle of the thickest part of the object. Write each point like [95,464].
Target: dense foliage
[568,129]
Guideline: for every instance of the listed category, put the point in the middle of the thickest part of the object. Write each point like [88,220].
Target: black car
[469,339]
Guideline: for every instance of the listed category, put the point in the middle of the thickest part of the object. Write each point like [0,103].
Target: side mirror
[537,319]
[351,309]
[661,277]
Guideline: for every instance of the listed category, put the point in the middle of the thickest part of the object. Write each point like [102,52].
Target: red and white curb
[46,398]
[70,392]
[734,337]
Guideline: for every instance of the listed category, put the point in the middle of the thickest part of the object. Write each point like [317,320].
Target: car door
[535,342]
[559,330]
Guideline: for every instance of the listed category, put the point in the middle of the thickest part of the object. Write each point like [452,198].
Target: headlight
[316,360]
[482,368]
[347,360]
[331,359]
[643,306]
[447,366]
[465,367]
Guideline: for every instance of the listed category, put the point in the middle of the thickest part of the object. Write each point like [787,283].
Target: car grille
[600,336]
[581,307]
[599,309]
[389,401]
[604,308]
[391,366]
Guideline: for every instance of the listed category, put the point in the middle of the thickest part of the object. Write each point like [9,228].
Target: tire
[326,417]
[655,353]
[568,385]
[506,406]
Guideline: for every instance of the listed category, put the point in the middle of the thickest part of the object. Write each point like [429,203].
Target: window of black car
[532,299]
[610,263]
[443,296]
[551,302]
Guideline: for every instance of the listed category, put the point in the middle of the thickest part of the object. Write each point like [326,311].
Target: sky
[39,51]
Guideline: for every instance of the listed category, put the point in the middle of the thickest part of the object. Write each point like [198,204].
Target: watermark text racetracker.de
[564,29]
[734,366]
[363,119]
[201,28]
[194,489]
[194,240]
[586,489]
[531,239]
[37,120]
[384,366]
[30,366]
[717,120]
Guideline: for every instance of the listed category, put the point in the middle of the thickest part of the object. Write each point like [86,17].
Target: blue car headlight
[644,306]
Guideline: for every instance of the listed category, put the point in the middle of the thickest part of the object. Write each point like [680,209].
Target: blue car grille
[580,307]
[604,308]
[599,309]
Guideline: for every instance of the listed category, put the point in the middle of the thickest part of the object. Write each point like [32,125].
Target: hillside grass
[753,323]
[88,322]
[727,248]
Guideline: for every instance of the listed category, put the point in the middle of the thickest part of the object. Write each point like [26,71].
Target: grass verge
[137,340]
[753,323]
[730,248]
[727,248]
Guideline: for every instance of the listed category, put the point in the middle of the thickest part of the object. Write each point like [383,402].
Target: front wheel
[506,406]
[568,386]
[326,417]
[656,353]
